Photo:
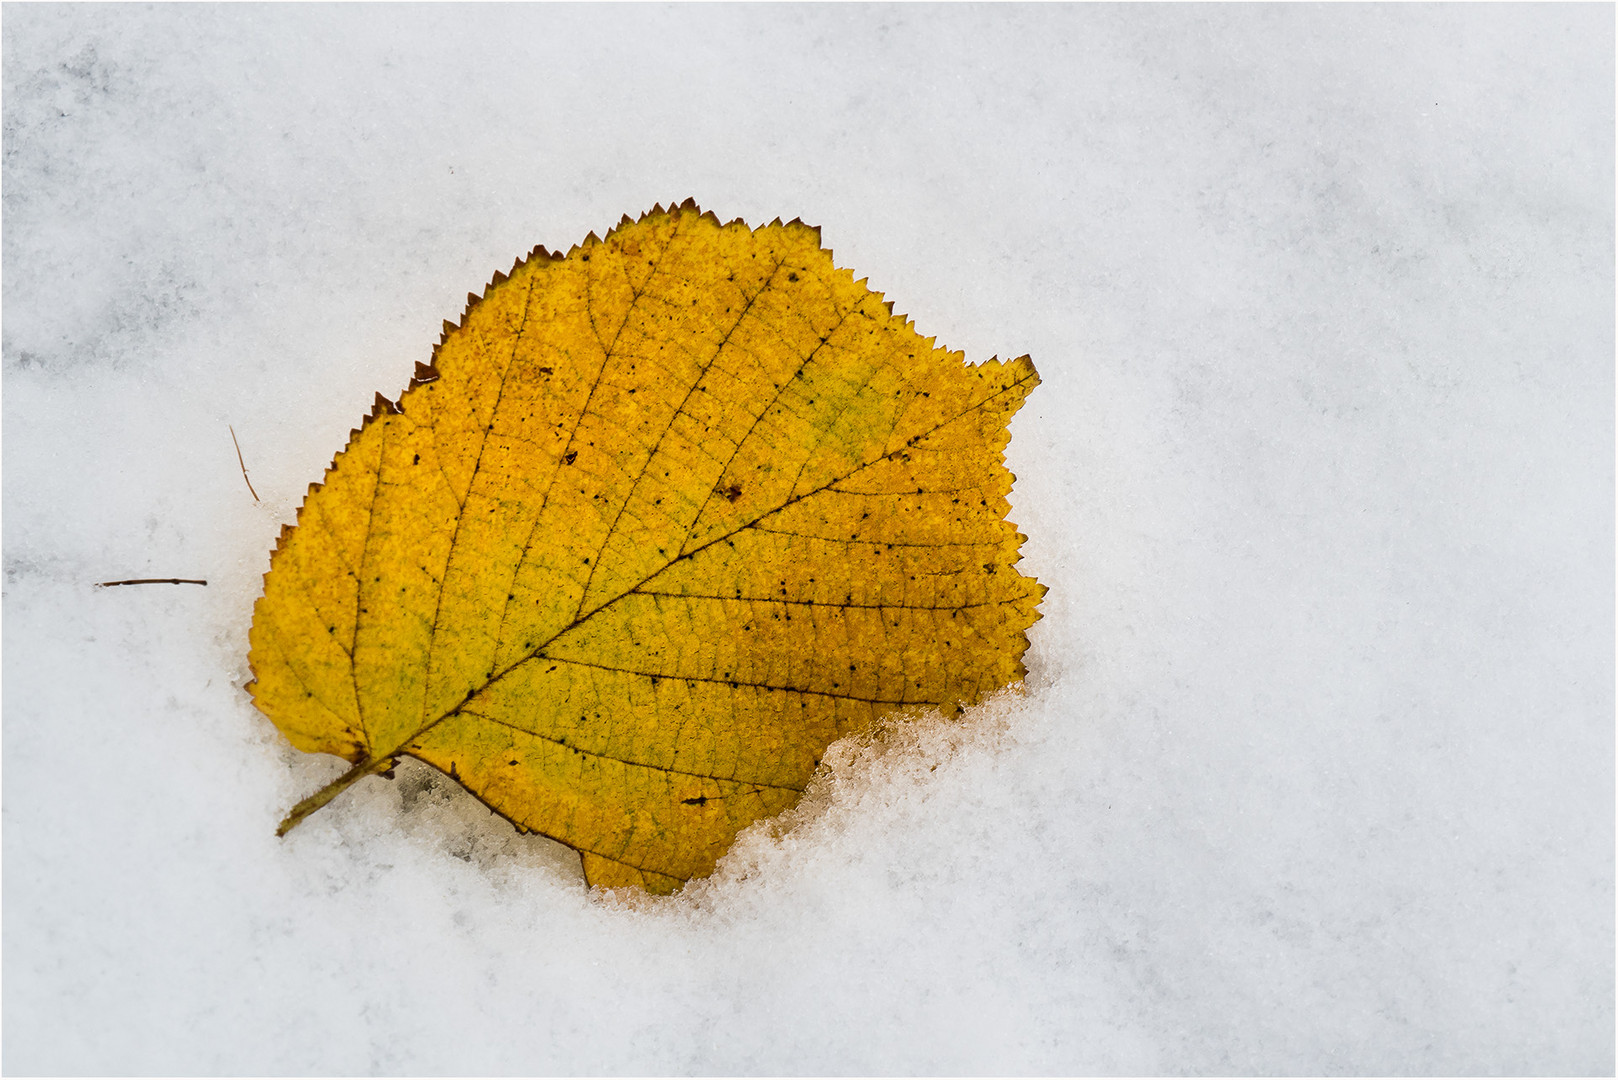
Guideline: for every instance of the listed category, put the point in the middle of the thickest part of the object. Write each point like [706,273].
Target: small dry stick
[152,581]
[242,463]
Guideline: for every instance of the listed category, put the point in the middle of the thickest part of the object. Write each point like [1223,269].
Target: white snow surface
[1313,768]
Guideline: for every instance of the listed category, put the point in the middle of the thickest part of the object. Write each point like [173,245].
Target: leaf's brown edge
[428,372]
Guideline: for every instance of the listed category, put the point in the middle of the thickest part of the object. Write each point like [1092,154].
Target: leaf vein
[733,683]
[606,355]
[634,486]
[621,760]
[477,465]
[762,413]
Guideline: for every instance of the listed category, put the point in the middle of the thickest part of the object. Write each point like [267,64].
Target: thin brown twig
[152,581]
[242,463]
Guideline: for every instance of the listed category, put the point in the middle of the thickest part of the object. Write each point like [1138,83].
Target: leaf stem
[326,794]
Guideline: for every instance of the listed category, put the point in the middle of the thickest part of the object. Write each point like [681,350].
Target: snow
[1313,770]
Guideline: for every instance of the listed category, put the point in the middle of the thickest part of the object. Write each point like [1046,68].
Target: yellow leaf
[663,519]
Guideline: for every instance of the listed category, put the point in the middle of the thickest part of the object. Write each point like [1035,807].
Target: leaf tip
[1026,361]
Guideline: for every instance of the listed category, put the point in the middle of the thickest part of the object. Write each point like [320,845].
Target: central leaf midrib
[580,620]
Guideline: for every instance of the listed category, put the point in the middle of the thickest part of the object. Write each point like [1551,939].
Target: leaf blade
[669,516]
